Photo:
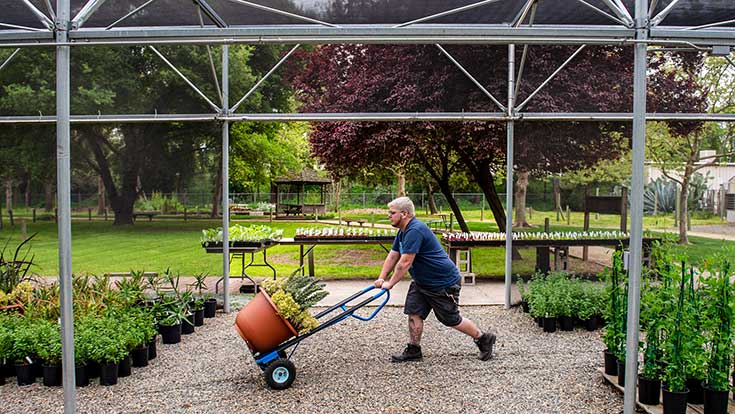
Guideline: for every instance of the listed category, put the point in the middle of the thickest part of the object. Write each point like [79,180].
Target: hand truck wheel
[280,374]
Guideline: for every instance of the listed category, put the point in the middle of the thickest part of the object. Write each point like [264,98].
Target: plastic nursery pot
[199,317]
[260,324]
[52,375]
[170,334]
[590,324]
[152,354]
[675,402]
[539,321]
[210,307]
[124,368]
[80,375]
[566,323]
[524,305]
[621,373]
[549,324]
[715,402]
[649,391]
[108,374]
[93,369]
[187,324]
[611,365]
[140,356]
[696,392]
[24,374]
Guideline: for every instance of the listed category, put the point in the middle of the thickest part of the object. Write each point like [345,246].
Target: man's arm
[404,263]
[388,265]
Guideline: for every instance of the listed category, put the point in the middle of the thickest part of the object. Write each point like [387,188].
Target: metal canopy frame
[608,22]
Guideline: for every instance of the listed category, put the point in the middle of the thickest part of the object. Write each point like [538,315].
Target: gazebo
[299,193]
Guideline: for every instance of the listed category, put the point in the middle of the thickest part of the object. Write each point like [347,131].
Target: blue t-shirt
[431,267]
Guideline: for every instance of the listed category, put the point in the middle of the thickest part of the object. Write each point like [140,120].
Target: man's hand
[379,283]
[386,285]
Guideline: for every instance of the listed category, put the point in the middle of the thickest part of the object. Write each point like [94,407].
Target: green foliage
[305,290]
[560,294]
[293,296]
[615,313]
[717,292]
[14,270]
[48,341]
[160,202]
[237,232]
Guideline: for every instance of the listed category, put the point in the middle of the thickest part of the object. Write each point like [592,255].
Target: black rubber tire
[280,374]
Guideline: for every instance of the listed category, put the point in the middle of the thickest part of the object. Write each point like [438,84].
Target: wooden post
[372,219]
[530,213]
[23,229]
[105,213]
[451,221]
[569,216]
[585,249]
[546,225]
[34,215]
[89,210]
[10,215]
[597,194]
[185,214]
[482,212]
[270,215]
[624,211]
[56,215]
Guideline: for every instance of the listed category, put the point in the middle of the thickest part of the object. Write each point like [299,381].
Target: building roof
[305,176]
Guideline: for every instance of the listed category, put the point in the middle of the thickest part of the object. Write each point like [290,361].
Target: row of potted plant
[686,319]
[563,298]
[238,233]
[341,232]
[533,235]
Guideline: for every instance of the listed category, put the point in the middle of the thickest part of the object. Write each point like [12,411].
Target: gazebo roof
[305,176]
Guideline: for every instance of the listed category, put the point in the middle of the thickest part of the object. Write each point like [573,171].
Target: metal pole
[509,177]
[63,184]
[226,179]
[636,211]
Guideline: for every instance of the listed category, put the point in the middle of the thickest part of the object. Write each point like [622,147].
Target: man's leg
[415,329]
[468,327]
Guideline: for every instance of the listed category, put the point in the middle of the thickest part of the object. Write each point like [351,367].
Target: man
[435,284]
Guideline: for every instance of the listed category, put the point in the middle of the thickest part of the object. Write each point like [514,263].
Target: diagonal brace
[211,13]
[188,82]
[662,15]
[12,55]
[446,13]
[622,14]
[602,12]
[544,83]
[136,10]
[283,13]
[472,78]
[39,14]
[86,12]
[257,84]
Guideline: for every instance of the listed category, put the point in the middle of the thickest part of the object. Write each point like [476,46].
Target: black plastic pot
[2,375]
[170,334]
[80,375]
[93,369]
[524,305]
[715,402]
[675,402]
[152,354]
[549,325]
[38,369]
[540,321]
[24,374]
[199,317]
[611,366]
[696,391]
[566,323]
[210,307]
[108,374]
[649,391]
[621,372]
[187,324]
[52,375]
[600,321]
[590,324]
[124,368]
[8,369]
[140,356]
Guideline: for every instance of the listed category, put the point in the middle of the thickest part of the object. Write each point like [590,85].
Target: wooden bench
[149,214]
[438,222]
[292,209]
[349,221]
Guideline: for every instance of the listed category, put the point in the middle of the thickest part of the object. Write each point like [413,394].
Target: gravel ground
[346,369]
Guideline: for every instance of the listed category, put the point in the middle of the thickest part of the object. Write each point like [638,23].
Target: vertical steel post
[63,185]
[509,177]
[636,210]
[226,179]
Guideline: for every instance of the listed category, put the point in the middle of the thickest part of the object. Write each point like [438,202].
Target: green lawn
[99,247]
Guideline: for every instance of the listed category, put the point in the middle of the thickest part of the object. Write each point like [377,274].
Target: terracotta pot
[260,324]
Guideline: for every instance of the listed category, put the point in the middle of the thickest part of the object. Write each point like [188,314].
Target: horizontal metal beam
[376,116]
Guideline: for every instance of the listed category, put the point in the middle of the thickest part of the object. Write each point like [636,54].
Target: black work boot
[486,343]
[411,353]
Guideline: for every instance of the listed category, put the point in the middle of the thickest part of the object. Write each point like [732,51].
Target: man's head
[400,211]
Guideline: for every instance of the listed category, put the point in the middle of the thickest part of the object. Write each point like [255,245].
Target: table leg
[542,259]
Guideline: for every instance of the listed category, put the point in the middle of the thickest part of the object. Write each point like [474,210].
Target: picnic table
[149,214]
[294,209]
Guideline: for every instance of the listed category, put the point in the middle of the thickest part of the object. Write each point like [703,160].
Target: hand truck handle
[375,296]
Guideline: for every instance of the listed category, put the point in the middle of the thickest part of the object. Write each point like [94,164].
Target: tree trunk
[337,189]
[444,187]
[101,205]
[48,195]
[557,194]
[27,192]
[401,181]
[520,199]
[432,201]
[9,194]
[217,197]
[684,208]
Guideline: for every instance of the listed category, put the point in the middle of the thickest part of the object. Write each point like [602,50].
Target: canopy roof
[305,176]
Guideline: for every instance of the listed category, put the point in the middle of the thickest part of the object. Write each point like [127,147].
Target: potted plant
[22,351]
[718,291]
[565,302]
[169,314]
[653,312]
[675,374]
[48,349]
[107,349]
[198,304]
[615,318]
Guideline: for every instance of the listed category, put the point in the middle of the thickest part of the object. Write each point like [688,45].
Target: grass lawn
[99,247]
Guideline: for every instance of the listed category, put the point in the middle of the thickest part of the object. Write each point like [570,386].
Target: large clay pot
[260,324]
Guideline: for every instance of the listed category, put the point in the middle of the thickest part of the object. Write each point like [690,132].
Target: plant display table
[239,249]
[307,245]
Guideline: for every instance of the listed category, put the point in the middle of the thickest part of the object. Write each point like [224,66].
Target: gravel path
[346,369]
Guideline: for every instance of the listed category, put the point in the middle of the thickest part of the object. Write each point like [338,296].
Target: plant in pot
[169,314]
[694,340]
[521,285]
[81,353]
[718,321]
[565,304]
[22,352]
[201,297]
[130,290]
[675,373]
[107,349]
[48,349]
[584,306]
[653,311]
[145,325]
[6,344]
[615,316]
